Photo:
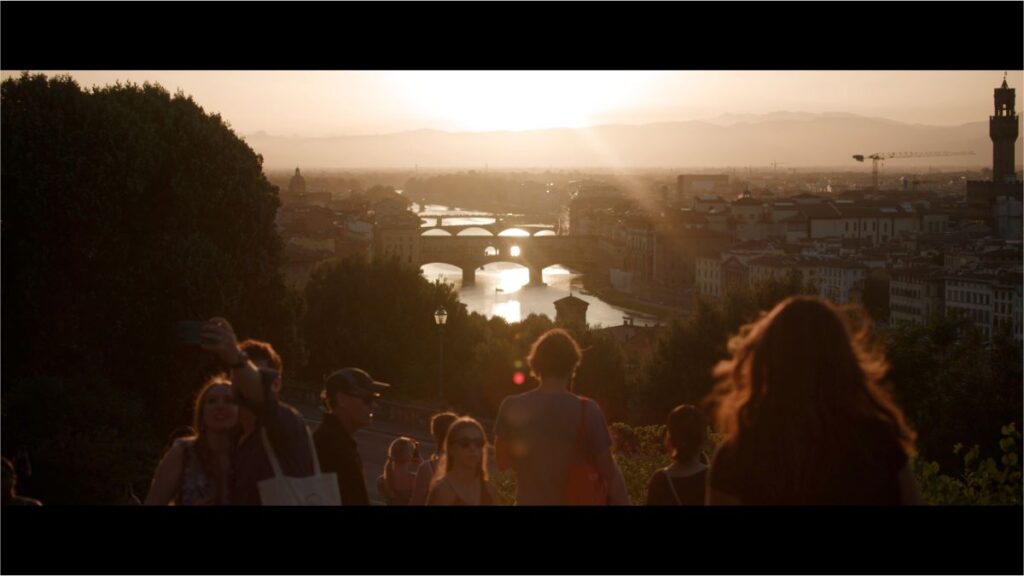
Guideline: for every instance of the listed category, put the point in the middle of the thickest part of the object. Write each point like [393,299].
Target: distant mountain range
[789,138]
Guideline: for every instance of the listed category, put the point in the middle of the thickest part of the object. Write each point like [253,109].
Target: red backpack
[584,485]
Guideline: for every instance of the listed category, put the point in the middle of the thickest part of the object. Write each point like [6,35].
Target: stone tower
[571,311]
[1002,128]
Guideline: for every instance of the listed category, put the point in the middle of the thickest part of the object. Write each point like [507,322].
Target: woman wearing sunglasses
[462,477]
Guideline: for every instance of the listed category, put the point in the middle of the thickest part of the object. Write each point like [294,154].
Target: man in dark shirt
[256,385]
[350,394]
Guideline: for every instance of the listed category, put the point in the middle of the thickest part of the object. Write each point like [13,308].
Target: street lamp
[440,318]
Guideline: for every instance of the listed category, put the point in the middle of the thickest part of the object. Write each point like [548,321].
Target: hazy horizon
[618,119]
[316,104]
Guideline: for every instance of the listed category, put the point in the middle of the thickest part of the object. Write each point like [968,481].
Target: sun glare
[490,100]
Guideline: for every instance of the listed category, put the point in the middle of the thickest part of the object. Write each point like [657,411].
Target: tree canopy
[126,210]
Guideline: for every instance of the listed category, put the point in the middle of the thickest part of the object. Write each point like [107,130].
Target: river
[501,288]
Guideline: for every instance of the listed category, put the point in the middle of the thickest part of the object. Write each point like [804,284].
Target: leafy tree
[947,379]
[602,374]
[680,370]
[126,211]
[983,481]
[379,316]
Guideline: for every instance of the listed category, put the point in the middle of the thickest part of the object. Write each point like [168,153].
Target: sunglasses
[465,443]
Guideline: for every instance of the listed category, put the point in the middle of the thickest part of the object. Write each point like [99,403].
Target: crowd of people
[804,419]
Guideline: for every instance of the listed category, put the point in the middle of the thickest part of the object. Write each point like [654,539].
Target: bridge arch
[444,268]
[513,274]
[552,271]
[436,232]
[545,232]
[572,268]
[518,232]
[475,231]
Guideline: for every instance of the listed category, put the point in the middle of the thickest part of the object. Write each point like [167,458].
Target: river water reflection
[501,289]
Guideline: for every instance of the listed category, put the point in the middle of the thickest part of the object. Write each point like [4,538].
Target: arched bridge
[534,252]
[493,229]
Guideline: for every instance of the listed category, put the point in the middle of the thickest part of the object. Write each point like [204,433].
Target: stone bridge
[534,252]
[494,229]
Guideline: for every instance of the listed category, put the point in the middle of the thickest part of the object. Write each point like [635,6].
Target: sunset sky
[334,103]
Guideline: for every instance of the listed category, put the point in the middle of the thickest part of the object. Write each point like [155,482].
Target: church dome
[297,185]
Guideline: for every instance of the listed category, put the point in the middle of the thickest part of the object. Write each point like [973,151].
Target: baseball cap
[353,381]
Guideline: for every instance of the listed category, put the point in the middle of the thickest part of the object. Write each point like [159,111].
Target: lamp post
[440,318]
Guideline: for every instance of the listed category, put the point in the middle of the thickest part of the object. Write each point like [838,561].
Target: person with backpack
[557,442]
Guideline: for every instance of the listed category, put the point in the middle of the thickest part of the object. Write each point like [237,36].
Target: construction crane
[879,157]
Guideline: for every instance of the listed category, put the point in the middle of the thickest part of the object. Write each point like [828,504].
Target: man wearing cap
[349,394]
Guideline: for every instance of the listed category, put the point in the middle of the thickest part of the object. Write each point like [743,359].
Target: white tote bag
[317,490]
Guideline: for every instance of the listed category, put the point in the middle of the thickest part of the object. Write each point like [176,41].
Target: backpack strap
[581,433]
[272,456]
[270,453]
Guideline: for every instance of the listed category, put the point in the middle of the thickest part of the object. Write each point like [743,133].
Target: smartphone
[190,332]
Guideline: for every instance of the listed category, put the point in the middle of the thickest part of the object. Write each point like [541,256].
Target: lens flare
[518,378]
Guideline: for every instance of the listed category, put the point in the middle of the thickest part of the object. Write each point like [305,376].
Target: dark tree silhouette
[126,210]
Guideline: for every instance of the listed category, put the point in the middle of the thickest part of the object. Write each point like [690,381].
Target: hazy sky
[293,103]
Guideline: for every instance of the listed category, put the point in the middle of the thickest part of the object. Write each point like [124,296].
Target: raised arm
[219,338]
[167,477]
